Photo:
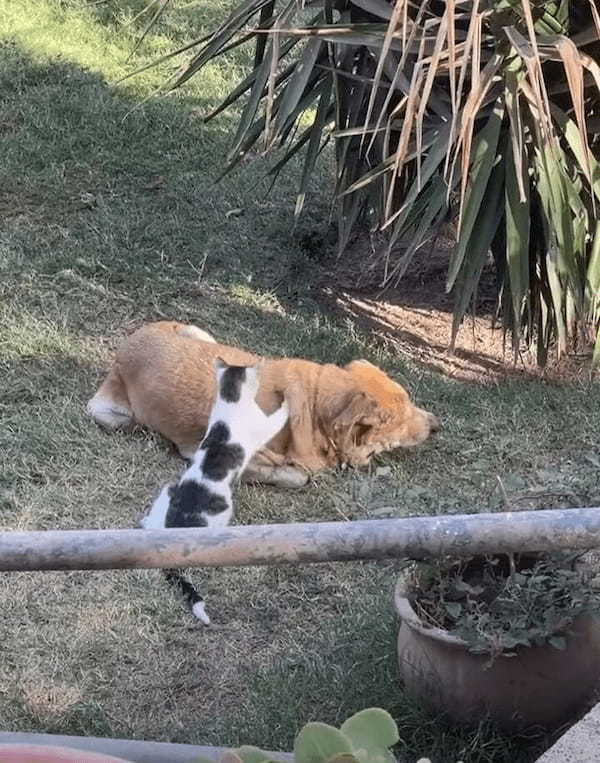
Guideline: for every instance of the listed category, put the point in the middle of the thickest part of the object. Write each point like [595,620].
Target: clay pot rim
[55,752]
[408,615]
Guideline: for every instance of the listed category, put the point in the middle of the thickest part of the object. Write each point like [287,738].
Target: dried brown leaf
[574,71]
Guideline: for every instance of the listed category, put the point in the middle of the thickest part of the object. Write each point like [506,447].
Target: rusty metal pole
[411,537]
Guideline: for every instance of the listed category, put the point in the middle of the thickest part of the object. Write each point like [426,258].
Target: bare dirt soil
[415,317]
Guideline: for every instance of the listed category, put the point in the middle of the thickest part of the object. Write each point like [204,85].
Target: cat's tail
[191,595]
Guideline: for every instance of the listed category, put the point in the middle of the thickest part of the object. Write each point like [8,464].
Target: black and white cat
[237,428]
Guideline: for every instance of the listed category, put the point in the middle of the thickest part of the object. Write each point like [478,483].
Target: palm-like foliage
[487,109]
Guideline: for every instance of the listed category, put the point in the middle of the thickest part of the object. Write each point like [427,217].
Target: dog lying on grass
[163,378]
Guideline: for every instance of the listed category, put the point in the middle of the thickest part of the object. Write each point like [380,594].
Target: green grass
[92,244]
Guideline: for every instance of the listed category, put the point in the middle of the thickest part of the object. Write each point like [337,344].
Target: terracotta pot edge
[24,751]
[408,615]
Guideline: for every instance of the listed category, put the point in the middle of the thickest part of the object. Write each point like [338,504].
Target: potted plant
[364,738]
[512,638]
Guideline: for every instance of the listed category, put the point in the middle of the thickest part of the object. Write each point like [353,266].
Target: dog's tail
[191,595]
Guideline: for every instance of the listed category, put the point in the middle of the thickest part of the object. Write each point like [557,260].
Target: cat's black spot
[189,501]
[232,381]
[217,434]
[222,459]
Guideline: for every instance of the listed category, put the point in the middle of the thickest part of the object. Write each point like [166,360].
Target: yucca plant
[485,111]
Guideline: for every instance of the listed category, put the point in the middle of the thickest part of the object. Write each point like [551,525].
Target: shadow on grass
[128,195]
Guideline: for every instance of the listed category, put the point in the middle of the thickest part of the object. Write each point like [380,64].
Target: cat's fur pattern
[237,428]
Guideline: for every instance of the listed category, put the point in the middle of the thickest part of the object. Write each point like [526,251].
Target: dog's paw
[288,476]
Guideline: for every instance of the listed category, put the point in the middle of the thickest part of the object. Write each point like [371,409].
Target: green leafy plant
[483,110]
[498,604]
[364,738]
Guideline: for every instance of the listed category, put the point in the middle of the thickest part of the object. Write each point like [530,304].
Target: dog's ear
[356,413]
[355,406]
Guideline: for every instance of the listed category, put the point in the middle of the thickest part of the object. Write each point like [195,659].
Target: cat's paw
[199,611]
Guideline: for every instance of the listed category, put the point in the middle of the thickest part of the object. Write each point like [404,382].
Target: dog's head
[373,415]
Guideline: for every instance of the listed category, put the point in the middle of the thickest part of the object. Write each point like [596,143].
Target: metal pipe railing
[410,537]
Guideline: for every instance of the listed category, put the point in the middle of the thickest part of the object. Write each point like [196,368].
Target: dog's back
[163,378]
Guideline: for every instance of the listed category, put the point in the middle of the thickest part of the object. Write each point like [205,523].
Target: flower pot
[36,753]
[539,686]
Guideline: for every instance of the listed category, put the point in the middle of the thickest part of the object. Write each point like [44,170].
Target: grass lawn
[110,217]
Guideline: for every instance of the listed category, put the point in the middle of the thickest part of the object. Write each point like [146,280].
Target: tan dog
[163,378]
